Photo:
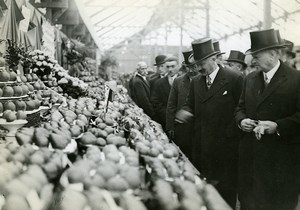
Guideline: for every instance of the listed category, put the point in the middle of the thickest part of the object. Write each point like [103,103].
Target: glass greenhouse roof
[178,22]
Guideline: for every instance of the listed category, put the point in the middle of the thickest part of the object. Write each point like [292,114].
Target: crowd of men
[239,125]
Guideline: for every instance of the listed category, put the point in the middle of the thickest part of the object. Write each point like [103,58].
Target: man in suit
[212,99]
[268,113]
[180,133]
[140,89]
[160,70]
[236,61]
[161,89]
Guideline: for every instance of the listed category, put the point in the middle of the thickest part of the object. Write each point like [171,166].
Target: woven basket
[33,119]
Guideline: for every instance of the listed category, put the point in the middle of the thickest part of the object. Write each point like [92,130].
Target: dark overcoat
[215,141]
[267,167]
[159,99]
[177,97]
[140,93]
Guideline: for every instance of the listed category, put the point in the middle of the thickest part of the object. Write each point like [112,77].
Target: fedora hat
[217,48]
[202,49]
[186,55]
[264,40]
[237,56]
[160,59]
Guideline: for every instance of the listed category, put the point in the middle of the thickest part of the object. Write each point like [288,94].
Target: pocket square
[225,92]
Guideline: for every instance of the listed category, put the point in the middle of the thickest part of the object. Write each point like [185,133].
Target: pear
[37,173]
[23,138]
[40,137]
[58,142]
[75,130]
[117,183]
[17,187]
[15,202]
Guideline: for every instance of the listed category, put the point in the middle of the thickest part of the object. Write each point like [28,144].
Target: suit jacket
[140,93]
[177,98]
[267,167]
[215,132]
[159,99]
[152,79]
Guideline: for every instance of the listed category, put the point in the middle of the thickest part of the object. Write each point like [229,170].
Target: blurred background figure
[180,133]
[160,70]
[140,89]
[220,59]
[236,61]
[162,87]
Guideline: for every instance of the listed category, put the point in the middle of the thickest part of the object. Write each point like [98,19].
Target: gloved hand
[183,116]
[170,134]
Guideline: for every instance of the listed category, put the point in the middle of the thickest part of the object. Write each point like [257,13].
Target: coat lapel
[278,79]
[218,83]
[257,84]
[144,81]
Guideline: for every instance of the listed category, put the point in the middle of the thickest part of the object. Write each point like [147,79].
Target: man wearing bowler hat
[212,99]
[180,133]
[161,89]
[160,70]
[268,113]
[236,61]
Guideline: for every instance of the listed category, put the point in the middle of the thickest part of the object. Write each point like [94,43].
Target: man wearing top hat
[212,99]
[236,61]
[180,133]
[219,55]
[268,113]
[161,89]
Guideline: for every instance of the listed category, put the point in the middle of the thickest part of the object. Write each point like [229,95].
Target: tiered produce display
[88,153]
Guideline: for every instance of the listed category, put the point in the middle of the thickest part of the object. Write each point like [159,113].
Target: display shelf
[13,126]
[13,98]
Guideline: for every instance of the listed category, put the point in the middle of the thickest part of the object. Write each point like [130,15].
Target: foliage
[13,54]
[108,60]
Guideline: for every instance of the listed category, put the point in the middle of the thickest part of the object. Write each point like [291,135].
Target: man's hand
[269,126]
[170,134]
[248,125]
[183,116]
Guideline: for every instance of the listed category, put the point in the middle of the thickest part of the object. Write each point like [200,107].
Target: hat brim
[186,64]
[220,53]
[250,51]
[193,61]
[238,61]
[156,64]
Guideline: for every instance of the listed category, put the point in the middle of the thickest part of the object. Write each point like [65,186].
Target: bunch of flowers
[72,86]
[42,63]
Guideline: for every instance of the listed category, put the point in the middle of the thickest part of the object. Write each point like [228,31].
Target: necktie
[266,79]
[208,82]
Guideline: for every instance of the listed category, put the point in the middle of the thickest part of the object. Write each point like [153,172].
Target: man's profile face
[261,60]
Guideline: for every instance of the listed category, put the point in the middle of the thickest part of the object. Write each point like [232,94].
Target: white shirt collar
[214,74]
[141,76]
[171,79]
[271,73]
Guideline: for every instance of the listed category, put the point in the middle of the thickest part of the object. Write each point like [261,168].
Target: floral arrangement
[42,63]
[72,86]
